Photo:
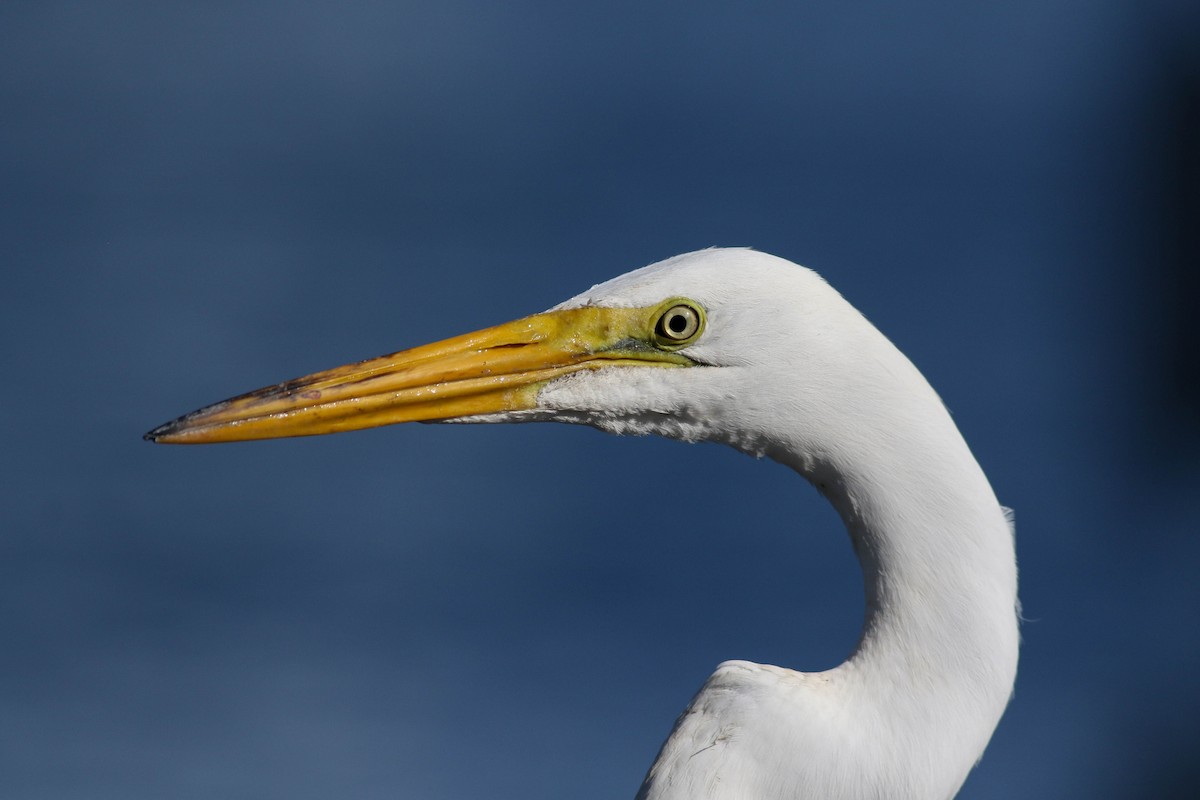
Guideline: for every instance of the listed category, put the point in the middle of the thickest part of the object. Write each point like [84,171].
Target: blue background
[196,200]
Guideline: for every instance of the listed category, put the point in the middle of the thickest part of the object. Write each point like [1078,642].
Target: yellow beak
[490,371]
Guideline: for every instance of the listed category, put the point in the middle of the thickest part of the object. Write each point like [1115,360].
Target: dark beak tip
[157,433]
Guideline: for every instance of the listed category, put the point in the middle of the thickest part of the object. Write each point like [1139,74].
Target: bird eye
[678,325]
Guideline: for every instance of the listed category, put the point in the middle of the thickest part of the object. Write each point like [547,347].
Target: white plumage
[781,367]
[798,375]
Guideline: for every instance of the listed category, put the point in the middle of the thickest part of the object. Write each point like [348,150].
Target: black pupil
[677,323]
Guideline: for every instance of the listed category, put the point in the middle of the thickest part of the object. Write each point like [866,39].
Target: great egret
[740,347]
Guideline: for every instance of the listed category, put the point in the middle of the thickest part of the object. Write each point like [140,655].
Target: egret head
[669,349]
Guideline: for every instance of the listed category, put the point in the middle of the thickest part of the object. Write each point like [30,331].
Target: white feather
[793,372]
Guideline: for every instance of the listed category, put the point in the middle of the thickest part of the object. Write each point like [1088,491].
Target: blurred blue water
[198,201]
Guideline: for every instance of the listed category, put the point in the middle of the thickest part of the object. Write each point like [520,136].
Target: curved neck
[937,658]
[940,574]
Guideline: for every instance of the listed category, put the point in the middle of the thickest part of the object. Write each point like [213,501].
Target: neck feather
[936,662]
